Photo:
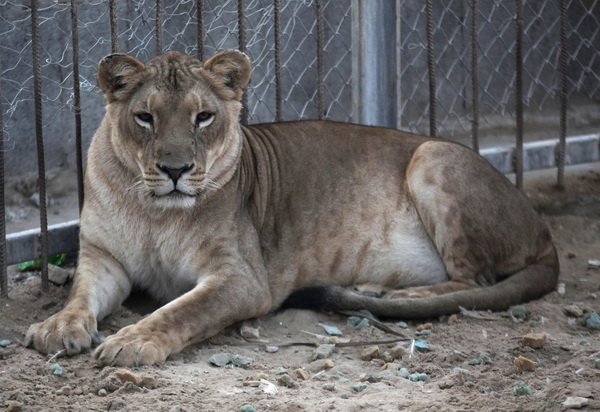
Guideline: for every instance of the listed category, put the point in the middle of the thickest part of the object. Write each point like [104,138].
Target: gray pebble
[461,370]
[474,362]
[241,361]
[247,408]
[402,325]
[597,363]
[329,386]
[521,389]
[417,377]
[116,405]
[592,321]
[56,369]
[486,359]
[220,359]
[360,386]
[102,392]
[4,343]
[286,380]
[363,324]
[519,313]
[323,351]
[403,373]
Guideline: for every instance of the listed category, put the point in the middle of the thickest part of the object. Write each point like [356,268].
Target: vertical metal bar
[158,34]
[242,46]
[37,91]
[77,102]
[398,72]
[3,272]
[277,32]
[431,68]
[474,81]
[519,95]
[560,152]
[114,32]
[320,77]
[200,26]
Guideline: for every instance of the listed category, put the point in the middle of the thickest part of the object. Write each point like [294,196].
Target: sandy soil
[564,367]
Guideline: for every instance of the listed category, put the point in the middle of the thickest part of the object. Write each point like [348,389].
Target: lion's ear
[116,75]
[231,70]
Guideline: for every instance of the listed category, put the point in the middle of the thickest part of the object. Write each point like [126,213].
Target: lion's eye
[144,119]
[204,118]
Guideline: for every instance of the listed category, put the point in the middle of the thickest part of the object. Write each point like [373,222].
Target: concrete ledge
[25,246]
[542,154]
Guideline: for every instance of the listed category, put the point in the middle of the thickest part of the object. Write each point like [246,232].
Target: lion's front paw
[68,332]
[133,346]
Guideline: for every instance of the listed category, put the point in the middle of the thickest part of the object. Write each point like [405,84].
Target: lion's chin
[174,200]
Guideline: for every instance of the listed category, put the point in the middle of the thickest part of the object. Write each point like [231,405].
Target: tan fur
[224,222]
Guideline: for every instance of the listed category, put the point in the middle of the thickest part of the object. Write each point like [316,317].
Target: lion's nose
[175,173]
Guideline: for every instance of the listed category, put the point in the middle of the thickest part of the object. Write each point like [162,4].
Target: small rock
[452,320]
[58,275]
[331,330]
[575,402]
[116,404]
[271,348]
[249,332]
[323,351]
[398,351]
[4,343]
[418,377]
[220,359]
[592,320]
[597,363]
[102,392]
[461,370]
[573,311]
[56,369]
[422,346]
[14,406]
[425,326]
[363,324]
[403,373]
[368,314]
[594,263]
[474,362]
[571,255]
[241,361]
[286,380]
[65,390]
[424,332]
[279,371]
[344,396]
[534,340]
[521,389]
[354,320]
[328,364]
[301,374]
[394,367]
[146,381]
[561,289]
[369,353]
[584,342]
[402,325]
[330,386]
[261,375]
[486,359]
[247,408]
[523,364]
[519,313]
[360,386]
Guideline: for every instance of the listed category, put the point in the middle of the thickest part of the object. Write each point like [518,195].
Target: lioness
[226,221]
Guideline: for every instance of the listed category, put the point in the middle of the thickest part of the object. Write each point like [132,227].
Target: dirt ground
[483,345]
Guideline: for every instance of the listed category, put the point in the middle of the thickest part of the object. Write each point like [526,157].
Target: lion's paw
[67,332]
[133,346]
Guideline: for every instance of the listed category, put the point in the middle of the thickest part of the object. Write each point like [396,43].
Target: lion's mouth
[174,194]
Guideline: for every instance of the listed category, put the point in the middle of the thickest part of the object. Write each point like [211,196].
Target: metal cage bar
[200,28]
[474,80]
[3,263]
[77,103]
[431,69]
[320,67]
[242,46]
[519,94]
[277,40]
[158,33]
[114,32]
[39,134]
[560,150]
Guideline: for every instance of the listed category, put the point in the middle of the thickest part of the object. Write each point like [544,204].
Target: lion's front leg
[100,285]
[217,302]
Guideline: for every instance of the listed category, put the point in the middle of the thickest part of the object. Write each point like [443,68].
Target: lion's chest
[156,259]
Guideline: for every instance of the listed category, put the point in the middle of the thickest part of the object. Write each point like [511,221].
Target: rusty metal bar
[200,27]
[277,33]
[519,95]
[158,34]
[431,68]
[320,69]
[3,263]
[37,96]
[242,47]
[474,81]
[560,150]
[114,32]
[77,103]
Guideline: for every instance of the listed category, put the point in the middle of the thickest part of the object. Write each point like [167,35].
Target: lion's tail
[531,283]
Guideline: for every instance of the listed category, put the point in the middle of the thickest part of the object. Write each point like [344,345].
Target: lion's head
[174,121]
